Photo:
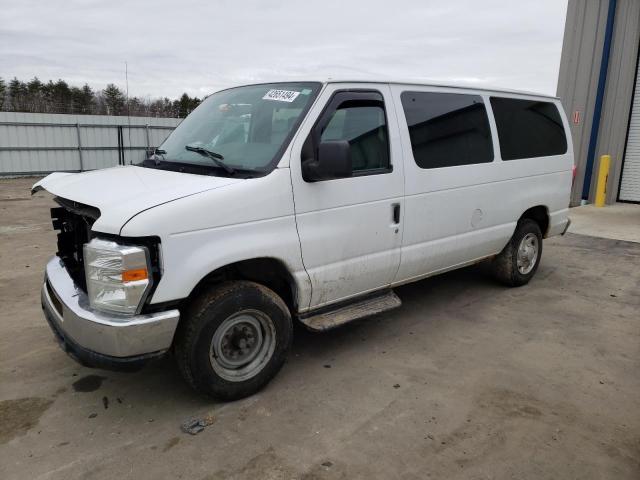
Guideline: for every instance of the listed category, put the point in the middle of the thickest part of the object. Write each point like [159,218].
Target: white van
[305,201]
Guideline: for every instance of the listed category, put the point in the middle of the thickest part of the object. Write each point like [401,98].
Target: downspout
[597,111]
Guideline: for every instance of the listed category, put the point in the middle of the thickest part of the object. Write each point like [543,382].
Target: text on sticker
[281,95]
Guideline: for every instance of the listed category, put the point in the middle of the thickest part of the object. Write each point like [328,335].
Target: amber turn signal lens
[134,275]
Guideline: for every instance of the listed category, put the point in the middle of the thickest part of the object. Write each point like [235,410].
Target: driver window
[363,124]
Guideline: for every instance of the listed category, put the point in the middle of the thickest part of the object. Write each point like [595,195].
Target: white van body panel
[457,215]
[349,242]
[249,219]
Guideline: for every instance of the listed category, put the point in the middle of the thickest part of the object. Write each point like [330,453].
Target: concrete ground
[620,221]
[467,379]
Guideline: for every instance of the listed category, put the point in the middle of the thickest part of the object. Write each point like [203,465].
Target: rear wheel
[233,340]
[519,260]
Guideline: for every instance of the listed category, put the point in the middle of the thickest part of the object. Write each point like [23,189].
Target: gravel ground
[466,380]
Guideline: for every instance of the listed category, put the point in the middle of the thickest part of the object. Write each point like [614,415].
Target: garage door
[630,182]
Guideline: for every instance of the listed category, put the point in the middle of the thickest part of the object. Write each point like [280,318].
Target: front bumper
[97,339]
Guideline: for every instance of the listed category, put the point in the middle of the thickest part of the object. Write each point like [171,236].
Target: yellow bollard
[603,175]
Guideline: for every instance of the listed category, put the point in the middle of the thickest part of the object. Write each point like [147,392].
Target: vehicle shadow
[429,295]
[159,391]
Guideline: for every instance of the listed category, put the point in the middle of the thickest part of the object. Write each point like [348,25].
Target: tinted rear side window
[528,128]
[447,129]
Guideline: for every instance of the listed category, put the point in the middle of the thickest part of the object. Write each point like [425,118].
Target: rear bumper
[100,340]
[558,223]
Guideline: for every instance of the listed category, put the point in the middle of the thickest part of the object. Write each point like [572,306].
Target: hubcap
[527,253]
[242,345]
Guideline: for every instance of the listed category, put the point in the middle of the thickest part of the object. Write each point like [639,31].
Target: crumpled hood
[122,192]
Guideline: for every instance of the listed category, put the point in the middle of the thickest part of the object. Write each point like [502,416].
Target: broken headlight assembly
[118,276]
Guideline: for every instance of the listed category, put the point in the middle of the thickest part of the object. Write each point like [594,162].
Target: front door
[351,228]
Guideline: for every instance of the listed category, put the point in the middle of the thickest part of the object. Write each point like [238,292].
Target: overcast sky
[202,46]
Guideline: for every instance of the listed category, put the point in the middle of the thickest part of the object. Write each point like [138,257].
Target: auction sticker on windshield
[281,95]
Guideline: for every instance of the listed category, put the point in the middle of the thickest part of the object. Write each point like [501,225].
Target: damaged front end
[73,221]
[105,331]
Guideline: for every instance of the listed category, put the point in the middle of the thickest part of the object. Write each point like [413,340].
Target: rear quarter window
[528,128]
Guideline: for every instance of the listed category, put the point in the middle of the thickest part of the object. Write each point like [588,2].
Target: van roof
[460,85]
[452,85]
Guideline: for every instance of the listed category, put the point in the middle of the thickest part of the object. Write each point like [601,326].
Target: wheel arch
[267,271]
[540,215]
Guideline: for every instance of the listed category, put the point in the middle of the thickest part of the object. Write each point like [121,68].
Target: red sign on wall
[576,117]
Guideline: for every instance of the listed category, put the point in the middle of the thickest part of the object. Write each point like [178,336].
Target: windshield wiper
[215,157]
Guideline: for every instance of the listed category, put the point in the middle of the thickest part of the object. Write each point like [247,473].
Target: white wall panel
[42,143]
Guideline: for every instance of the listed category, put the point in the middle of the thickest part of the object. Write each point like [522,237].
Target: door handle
[395,210]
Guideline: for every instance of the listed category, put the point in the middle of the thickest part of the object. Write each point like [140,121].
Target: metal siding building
[598,95]
[36,143]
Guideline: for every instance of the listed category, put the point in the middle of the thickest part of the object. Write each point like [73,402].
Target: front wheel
[233,340]
[519,260]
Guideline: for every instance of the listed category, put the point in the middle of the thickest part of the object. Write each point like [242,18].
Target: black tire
[505,265]
[197,334]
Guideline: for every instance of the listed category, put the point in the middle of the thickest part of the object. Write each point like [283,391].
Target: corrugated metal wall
[32,143]
[618,95]
[578,78]
[578,82]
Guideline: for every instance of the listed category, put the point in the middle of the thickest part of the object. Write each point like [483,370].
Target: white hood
[122,192]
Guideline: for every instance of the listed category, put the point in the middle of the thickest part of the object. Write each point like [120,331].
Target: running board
[353,311]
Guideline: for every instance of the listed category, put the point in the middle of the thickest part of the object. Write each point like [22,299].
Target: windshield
[246,128]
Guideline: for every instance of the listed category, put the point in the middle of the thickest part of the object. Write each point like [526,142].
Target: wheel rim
[528,253]
[242,345]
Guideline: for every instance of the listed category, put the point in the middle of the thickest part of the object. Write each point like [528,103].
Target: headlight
[117,276]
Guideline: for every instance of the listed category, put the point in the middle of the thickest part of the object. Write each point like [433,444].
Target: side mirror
[333,161]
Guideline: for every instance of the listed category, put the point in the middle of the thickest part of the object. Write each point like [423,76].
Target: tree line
[59,97]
